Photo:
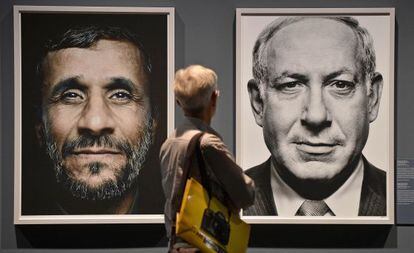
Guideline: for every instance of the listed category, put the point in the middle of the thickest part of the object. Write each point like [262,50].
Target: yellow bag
[205,223]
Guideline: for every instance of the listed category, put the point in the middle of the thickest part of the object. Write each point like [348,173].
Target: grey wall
[205,34]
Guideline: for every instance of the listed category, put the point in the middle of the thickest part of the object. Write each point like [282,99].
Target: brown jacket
[219,162]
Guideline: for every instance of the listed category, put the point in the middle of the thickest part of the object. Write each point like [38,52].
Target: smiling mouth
[316,148]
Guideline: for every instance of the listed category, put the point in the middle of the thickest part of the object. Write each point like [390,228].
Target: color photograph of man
[315,91]
[96,125]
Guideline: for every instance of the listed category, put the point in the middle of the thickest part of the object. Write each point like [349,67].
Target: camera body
[216,225]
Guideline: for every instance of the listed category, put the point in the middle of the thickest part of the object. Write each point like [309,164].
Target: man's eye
[71,97]
[121,96]
[290,87]
[342,87]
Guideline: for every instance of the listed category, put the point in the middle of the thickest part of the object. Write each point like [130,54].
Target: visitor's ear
[256,101]
[214,97]
[374,96]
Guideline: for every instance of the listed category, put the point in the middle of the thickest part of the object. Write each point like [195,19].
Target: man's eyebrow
[288,74]
[121,83]
[337,73]
[68,83]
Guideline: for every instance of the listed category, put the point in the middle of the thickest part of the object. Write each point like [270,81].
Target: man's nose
[96,118]
[316,115]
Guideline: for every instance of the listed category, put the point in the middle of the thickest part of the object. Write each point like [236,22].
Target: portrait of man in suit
[315,91]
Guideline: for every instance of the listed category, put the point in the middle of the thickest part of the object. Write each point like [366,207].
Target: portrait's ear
[39,131]
[256,101]
[39,134]
[374,96]
[154,127]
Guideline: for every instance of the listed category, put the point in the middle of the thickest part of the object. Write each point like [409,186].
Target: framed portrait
[92,107]
[315,113]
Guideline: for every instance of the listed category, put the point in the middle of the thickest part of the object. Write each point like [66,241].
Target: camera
[216,225]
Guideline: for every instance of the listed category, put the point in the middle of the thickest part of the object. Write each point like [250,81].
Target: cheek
[279,120]
[281,115]
[131,122]
[61,123]
[351,115]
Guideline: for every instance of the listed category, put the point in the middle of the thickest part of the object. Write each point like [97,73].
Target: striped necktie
[313,208]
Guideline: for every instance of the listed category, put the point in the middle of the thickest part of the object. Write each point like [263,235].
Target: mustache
[102,141]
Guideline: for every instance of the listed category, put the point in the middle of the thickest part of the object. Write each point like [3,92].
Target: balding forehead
[309,31]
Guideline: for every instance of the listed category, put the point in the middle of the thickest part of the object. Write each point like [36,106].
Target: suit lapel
[263,203]
[373,202]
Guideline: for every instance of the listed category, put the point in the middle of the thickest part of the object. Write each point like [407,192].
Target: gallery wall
[205,34]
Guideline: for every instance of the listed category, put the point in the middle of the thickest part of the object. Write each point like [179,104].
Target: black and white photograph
[93,106]
[315,114]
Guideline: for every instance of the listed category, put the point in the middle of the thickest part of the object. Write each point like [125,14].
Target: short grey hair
[365,50]
[193,87]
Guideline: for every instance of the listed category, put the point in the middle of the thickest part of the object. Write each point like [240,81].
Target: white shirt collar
[343,203]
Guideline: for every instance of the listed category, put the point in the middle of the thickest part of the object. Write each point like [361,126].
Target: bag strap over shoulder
[193,145]
[188,161]
[194,158]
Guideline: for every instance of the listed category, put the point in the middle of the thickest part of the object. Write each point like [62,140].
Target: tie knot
[313,208]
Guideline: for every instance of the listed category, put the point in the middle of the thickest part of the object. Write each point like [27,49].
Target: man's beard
[135,155]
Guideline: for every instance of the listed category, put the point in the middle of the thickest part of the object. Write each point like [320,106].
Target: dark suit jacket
[373,194]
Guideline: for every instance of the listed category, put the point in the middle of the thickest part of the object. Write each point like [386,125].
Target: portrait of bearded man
[99,114]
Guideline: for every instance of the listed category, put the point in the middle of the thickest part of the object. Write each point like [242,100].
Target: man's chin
[95,182]
[107,190]
[314,180]
[101,185]
[315,171]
